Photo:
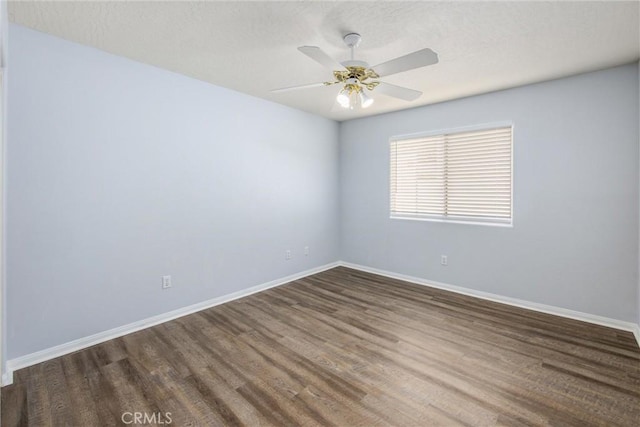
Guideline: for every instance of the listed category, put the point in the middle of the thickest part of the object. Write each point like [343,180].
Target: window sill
[454,221]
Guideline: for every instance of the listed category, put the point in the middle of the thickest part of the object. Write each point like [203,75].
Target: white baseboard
[81,343]
[636,332]
[543,308]
[7,378]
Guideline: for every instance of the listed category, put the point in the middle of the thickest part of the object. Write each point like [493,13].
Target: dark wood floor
[343,348]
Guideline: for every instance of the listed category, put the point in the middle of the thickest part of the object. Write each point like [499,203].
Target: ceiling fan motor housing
[355,63]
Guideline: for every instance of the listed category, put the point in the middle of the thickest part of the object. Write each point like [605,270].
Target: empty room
[320,213]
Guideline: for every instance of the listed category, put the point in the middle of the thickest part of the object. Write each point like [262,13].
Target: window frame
[492,222]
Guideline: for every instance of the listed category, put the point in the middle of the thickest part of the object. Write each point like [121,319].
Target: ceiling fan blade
[398,91]
[321,57]
[287,89]
[417,59]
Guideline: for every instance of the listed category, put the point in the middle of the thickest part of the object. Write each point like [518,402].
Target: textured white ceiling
[251,46]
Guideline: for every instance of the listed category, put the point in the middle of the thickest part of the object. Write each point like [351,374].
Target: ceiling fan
[356,76]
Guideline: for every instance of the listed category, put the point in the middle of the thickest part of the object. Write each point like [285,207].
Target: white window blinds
[464,176]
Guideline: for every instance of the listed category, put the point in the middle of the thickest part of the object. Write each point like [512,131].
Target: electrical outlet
[306,251]
[443,260]
[166,282]
[287,254]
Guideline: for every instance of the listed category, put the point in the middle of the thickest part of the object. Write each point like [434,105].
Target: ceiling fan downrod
[352,40]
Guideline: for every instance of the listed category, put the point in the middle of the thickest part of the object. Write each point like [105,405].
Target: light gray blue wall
[119,173]
[574,243]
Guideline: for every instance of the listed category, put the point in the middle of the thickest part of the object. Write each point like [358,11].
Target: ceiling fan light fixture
[365,100]
[343,98]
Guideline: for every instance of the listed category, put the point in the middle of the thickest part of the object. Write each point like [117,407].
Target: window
[461,176]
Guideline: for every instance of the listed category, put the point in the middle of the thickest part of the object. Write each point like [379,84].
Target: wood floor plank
[37,397]
[15,397]
[344,348]
[79,392]
[56,389]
